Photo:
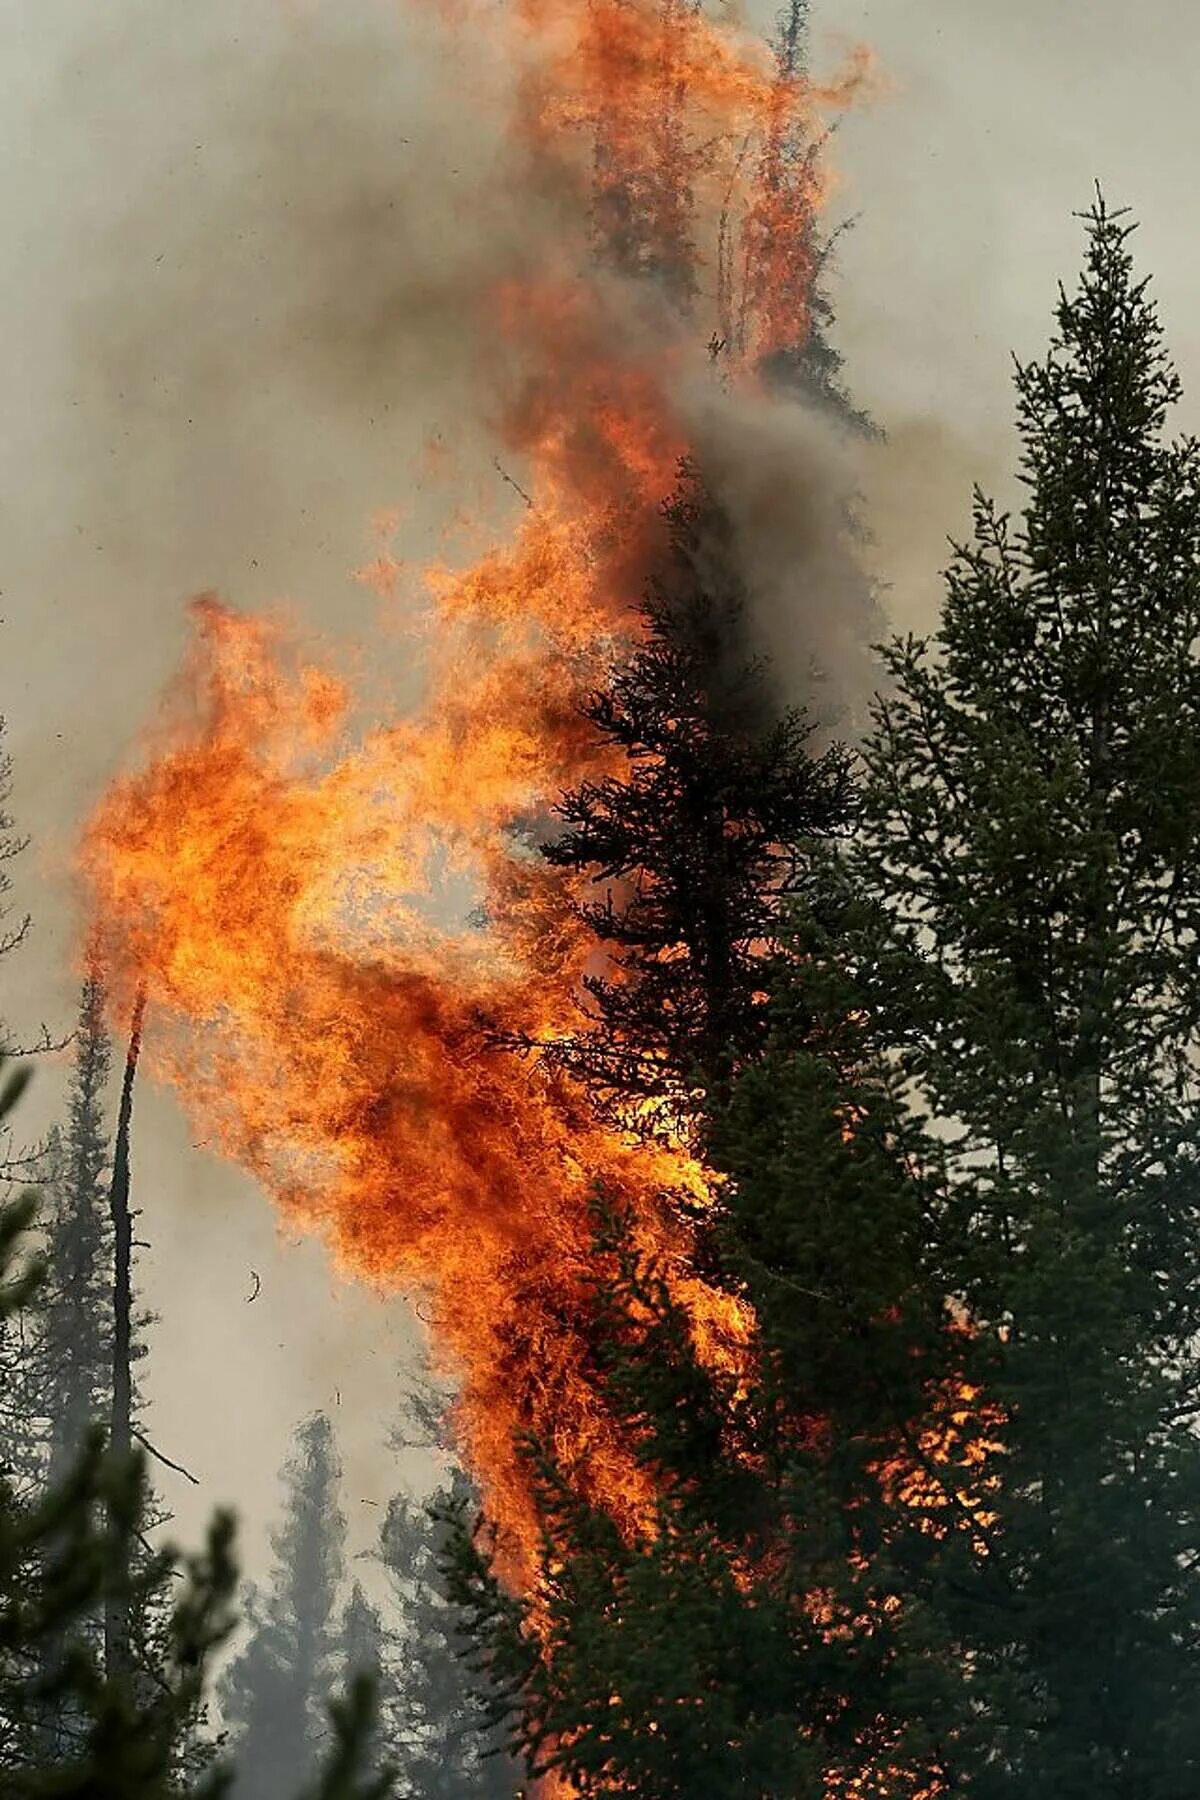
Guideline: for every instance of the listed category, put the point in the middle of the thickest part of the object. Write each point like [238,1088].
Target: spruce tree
[1032,835]
[438,1719]
[65,1550]
[753,1634]
[273,1695]
[729,1682]
[690,853]
[63,1555]
[76,1351]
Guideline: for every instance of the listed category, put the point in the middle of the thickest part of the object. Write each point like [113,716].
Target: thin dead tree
[121,1431]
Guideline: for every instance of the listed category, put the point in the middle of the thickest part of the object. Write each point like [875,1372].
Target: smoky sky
[241,244]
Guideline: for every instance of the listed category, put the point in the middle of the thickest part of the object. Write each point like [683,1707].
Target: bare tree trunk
[116,1622]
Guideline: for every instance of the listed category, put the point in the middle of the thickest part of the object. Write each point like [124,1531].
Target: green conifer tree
[76,1351]
[1032,834]
[66,1549]
[64,1554]
[274,1694]
[438,1719]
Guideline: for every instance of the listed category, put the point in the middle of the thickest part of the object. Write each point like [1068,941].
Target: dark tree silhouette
[692,852]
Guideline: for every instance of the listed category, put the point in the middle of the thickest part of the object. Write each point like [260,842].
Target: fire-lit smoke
[336,915]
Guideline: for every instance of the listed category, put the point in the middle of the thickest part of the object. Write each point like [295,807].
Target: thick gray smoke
[790,477]
[290,221]
[284,309]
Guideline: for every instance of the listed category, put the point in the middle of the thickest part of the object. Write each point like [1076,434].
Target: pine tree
[752,1635]
[693,849]
[63,1552]
[66,1373]
[692,855]
[76,1352]
[1032,832]
[439,1723]
[361,1656]
[63,1555]
[273,1695]
[699,854]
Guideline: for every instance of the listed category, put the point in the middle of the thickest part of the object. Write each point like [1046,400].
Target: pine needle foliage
[692,850]
[1031,830]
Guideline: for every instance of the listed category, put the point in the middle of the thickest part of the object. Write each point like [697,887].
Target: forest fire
[729,976]
[276,876]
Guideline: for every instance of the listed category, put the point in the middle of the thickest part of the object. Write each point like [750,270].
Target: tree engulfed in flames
[274,875]
[267,874]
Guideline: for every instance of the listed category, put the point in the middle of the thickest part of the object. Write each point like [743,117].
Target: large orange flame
[277,876]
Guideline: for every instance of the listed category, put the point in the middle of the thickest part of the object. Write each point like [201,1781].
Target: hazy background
[210,378]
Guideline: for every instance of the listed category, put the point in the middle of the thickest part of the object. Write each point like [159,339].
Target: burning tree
[268,878]
[353,1053]
[754,1631]
[971,1564]
[685,857]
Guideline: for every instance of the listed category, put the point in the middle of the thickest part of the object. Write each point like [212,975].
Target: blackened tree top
[692,849]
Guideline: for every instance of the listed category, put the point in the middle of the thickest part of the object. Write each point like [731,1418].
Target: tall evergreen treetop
[1039,767]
